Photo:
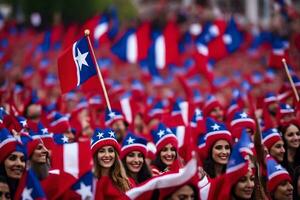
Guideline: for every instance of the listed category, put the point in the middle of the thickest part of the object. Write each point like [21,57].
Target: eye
[227,147]
[219,147]
[140,155]
[173,149]
[111,150]
[12,157]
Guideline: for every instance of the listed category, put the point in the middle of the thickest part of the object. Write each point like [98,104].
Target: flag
[29,187]
[76,65]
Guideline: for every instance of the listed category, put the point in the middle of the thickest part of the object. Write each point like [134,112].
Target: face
[183,193]
[217,113]
[245,185]
[168,154]
[4,191]
[221,152]
[40,154]
[34,111]
[277,151]
[292,136]
[134,161]
[120,129]
[106,156]
[15,165]
[284,191]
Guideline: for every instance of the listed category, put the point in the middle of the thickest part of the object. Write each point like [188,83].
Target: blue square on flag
[76,65]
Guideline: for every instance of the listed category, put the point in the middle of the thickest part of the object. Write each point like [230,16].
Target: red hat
[240,121]
[270,137]
[210,103]
[103,138]
[133,143]
[60,123]
[8,144]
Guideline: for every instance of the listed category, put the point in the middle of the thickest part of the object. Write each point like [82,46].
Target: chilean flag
[76,65]
[133,45]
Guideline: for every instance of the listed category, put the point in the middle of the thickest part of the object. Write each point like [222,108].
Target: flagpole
[87,33]
[290,79]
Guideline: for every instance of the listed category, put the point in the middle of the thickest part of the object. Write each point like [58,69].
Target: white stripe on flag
[184,107]
[77,67]
[126,109]
[180,133]
[160,52]
[71,164]
[100,30]
[131,52]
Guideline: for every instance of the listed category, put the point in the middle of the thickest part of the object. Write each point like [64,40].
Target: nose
[282,149]
[289,186]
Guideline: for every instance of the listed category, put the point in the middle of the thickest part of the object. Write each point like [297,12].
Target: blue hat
[112,116]
[270,137]
[163,136]
[102,138]
[133,143]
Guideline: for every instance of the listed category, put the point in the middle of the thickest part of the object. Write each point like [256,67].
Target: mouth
[136,166]
[17,171]
[106,161]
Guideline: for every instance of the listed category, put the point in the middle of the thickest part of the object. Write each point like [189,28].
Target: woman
[12,160]
[186,191]
[218,146]
[166,150]
[112,179]
[4,189]
[133,154]
[279,181]
[291,139]
[274,144]
[244,188]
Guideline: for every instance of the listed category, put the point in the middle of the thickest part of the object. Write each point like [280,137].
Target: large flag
[76,65]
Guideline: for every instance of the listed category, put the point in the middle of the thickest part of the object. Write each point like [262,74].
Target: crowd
[215,118]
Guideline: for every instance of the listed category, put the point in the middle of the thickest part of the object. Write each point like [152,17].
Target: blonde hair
[117,172]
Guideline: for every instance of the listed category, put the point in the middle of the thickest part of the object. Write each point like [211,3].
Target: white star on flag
[112,115]
[85,191]
[243,115]
[100,135]
[198,113]
[111,134]
[130,140]
[26,194]
[81,59]
[65,139]
[216,127]
[161,133]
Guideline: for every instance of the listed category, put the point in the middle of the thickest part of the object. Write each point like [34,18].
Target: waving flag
[76,65]
[29,187]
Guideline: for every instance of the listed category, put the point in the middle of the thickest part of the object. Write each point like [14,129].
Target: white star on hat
[44,130]
[85,191]
[130,140]
[278,167]
[81,59]
[161,133]
[100,135]
[216,127]
[111,134]
[26,194]
[243,115]
[23,122]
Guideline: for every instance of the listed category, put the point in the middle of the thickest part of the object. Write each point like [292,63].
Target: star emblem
[26,194]
[65,139]
[216,127]
[243,115]
[161,133]
[112,115]
[278,167]
[100,135]
[111,134]
[198,112]
[130,140]
[44,130]
[85,191]
[81,59]
[23,122]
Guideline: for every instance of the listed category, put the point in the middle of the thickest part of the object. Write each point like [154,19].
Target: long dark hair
[143,175]
[157,162]
[209,165]
[285,163]
[12,183]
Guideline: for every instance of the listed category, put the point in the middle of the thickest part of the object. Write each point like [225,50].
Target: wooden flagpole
[290,79]
[87,33]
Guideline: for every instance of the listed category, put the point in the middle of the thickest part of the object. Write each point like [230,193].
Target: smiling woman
[12,160]
[112,179]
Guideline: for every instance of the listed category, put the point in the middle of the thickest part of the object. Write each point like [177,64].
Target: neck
[104,171]
[218,169]
[134,176]
[291,152]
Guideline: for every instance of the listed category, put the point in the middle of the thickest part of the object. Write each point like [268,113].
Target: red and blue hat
[133,142]
[270,137]
[163,136]
[276,174]
[112,116]
[240,121]
[101,138]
